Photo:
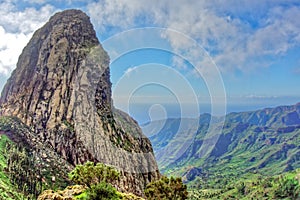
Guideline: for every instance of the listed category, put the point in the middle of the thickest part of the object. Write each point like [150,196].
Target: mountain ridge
[264,141]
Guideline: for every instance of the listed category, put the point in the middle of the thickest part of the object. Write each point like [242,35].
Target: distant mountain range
[265,141]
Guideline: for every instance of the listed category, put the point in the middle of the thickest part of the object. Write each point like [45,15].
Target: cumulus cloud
[237,35]
[118,14]
[16,29]
[10,47]
[25,21]
[280,31]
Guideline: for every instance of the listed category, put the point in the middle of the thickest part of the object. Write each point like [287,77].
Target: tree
[90,174]
[166,188]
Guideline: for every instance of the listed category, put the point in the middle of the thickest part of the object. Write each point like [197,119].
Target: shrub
[166,188]
[102,191]
[90,174]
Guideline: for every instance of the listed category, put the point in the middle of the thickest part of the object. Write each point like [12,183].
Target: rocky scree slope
[61,90]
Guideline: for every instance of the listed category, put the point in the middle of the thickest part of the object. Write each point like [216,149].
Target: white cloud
[114,13]
[25,21]
[280,33]
[36,1]
[16,29]
[10,49]
[235,33]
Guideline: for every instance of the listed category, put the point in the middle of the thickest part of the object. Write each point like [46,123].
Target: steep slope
[266,141]
[27,165]
[61,90]
[7,189]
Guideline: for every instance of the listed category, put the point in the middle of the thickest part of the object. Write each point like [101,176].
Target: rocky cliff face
[61,89]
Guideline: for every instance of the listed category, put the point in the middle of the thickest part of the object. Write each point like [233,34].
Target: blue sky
[241,55]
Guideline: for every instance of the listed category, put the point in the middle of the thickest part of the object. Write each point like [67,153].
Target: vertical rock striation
[61,89]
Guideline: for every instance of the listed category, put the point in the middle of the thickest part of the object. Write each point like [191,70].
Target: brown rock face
[61,89]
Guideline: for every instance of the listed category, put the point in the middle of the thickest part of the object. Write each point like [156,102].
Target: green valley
[252,146]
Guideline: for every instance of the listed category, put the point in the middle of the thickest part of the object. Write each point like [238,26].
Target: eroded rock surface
[61,89]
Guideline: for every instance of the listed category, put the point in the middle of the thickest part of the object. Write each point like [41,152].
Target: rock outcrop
[61,89]
[67,194]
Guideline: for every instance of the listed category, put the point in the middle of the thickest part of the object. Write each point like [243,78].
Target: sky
[181,57]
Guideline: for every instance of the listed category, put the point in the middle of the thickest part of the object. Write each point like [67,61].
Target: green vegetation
[249,160]
[7,189]
[22,171]
[166,188]
[25,171]
[264,142]
[98,178]
[285,186]
[95,182]
[21,175]
[243,153]
[90,174]
[103,191]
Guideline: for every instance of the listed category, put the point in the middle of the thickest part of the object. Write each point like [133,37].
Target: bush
[90,174]
[166,188]
[103,191]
